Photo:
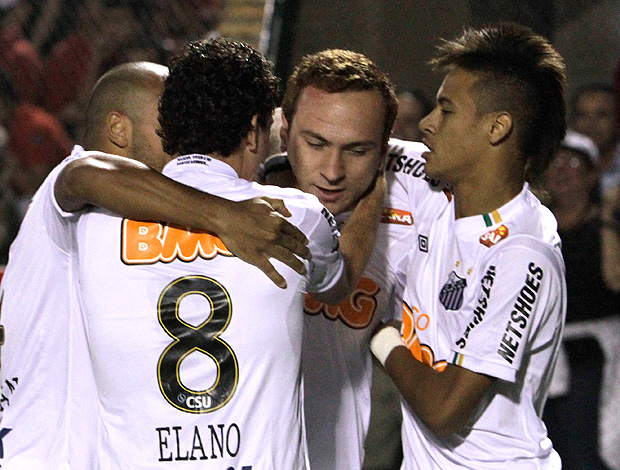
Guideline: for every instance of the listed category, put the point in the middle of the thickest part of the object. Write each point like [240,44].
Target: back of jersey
[196,353]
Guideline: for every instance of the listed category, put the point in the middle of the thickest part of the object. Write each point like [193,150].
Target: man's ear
[499,128]
[284,134]
[119,130]
[251,143]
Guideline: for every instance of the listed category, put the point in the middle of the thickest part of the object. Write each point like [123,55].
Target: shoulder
[531,224]
[528,253]
[406,147]
[404,170]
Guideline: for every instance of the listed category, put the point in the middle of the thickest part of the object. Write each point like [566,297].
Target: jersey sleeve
[408,182]
[326,265]
[516,308]
[56,222]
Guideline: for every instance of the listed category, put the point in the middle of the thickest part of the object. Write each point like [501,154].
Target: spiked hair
[521,73]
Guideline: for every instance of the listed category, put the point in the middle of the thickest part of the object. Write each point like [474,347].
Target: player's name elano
[207,442]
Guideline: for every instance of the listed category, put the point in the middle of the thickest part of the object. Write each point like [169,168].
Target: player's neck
[243,166]
[484,196]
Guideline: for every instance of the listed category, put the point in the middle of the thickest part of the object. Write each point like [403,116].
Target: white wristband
[384,342]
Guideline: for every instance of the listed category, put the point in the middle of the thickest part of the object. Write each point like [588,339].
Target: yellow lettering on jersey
[150,242]
[421,352]
[356,311]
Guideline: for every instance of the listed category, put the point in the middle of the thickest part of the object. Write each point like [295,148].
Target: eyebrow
[361,143]
[444,100]
[314,135]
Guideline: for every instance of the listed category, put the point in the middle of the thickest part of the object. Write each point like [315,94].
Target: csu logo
[451,295]
[199,402]
[356,311]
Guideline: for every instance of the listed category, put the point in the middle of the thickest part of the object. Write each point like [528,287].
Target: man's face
[595,116]
[334,144]
[569,176]
[454,131]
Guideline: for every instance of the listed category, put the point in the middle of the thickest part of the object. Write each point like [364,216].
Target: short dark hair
[124,89]
[521,73]
[213,90]
[338,71]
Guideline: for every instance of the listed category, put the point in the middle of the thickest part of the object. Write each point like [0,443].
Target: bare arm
[357,241]
[254,230]
[444,401]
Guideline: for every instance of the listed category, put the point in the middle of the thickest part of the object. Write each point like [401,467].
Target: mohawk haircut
[521,73]
[338,71]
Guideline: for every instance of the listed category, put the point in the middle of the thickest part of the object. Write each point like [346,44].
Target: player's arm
[357,241]
[444,401]
[254,230]
[359,233]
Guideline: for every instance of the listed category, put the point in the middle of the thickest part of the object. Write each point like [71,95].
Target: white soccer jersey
[336,359]
[46,380]
[196,353]
[487,293]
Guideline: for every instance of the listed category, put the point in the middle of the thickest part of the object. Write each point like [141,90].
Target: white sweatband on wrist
[384,342]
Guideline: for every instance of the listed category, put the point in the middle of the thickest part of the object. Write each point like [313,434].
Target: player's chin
[339,206]
[431,169]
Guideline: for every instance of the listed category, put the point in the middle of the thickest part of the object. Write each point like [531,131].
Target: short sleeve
[517,307]
[49,216]
[326,265]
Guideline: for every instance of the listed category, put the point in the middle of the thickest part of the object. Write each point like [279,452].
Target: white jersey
[336,359]
[486,293]
[46,380]
[196,353]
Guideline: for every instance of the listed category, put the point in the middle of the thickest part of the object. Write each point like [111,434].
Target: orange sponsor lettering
[151,242]
[396,216]
[356,311]
[421,352]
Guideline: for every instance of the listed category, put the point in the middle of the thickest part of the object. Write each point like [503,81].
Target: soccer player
[45,392]
[485,297]
[197,356]
[338,112]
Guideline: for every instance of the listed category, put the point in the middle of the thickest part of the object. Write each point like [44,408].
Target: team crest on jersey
[396,216]
[451,295]
[494,236]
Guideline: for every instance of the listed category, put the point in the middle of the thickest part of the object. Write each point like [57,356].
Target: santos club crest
[451,295]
